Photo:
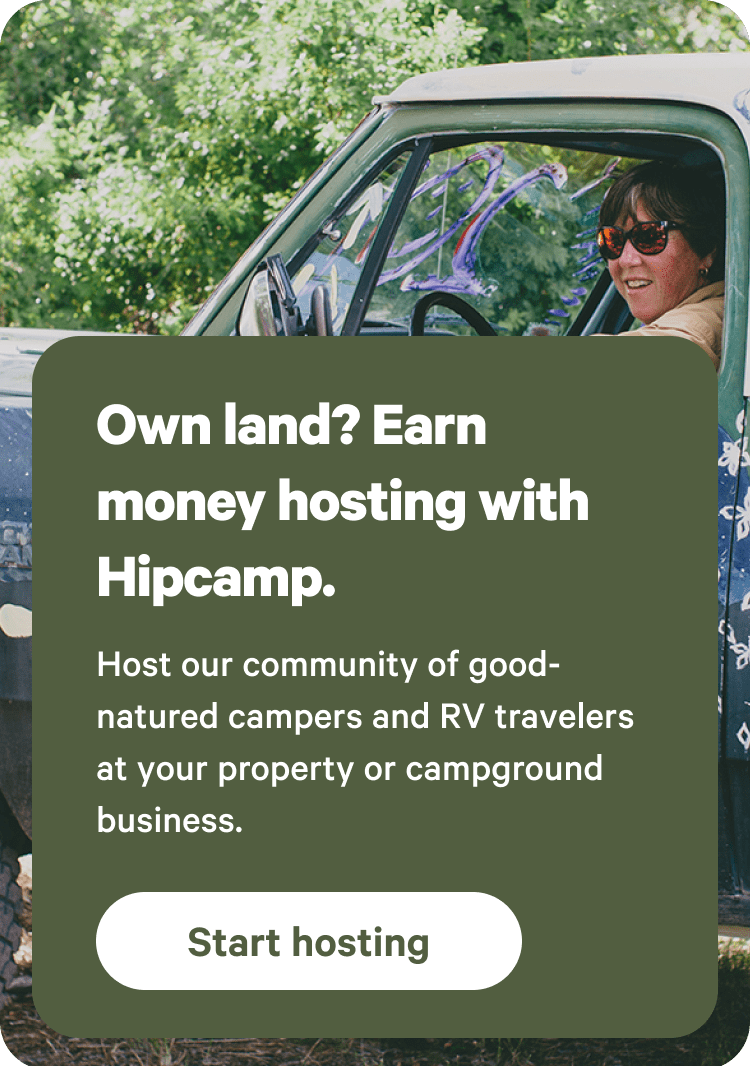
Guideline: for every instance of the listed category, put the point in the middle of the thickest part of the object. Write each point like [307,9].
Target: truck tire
[10,926]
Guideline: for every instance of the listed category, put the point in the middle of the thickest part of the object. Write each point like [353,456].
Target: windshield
[509,227]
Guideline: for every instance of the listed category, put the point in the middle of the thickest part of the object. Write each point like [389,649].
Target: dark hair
[693,197]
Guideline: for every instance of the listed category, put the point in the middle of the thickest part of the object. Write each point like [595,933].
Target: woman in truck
[661,231]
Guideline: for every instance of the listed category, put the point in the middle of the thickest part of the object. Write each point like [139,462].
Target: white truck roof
[717,80]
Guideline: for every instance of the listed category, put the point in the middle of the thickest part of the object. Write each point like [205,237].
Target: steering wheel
[455,304]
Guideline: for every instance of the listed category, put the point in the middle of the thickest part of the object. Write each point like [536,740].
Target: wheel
[455,304]
[10,926]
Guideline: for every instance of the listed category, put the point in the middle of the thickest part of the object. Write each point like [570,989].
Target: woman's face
[652,285]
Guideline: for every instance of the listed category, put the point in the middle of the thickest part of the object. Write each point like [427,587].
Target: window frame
[588,123]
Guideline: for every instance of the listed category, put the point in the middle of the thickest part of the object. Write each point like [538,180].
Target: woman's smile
[652,285]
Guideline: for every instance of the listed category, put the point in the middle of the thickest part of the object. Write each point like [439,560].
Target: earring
[703,272]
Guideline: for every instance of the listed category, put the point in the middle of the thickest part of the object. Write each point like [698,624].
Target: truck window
[345,241]
[508,227]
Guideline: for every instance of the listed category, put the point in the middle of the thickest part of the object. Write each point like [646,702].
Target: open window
[507,226]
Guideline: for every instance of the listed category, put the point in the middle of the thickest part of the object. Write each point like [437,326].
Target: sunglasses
[649,238]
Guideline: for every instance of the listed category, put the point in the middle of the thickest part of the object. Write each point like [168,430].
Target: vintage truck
[466,202]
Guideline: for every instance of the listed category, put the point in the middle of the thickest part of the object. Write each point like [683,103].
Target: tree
[146,146]
[156,141]
[554,29]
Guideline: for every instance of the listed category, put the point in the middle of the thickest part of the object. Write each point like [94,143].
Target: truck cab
[466,203]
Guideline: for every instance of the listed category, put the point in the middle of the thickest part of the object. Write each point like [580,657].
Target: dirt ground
[33,1043]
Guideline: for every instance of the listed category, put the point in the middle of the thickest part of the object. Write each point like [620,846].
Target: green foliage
[157,140]
[544,29]
[144,147]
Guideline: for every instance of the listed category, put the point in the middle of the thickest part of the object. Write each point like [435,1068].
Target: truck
[466,203]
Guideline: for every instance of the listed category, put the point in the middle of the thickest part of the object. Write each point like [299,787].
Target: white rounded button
[309,940]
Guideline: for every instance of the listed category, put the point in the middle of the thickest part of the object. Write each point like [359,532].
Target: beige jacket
[699,318]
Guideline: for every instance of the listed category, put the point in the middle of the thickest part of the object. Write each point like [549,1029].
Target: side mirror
[256,315]
[270,308]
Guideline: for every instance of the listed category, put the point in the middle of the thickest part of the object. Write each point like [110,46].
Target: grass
[714,1044]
